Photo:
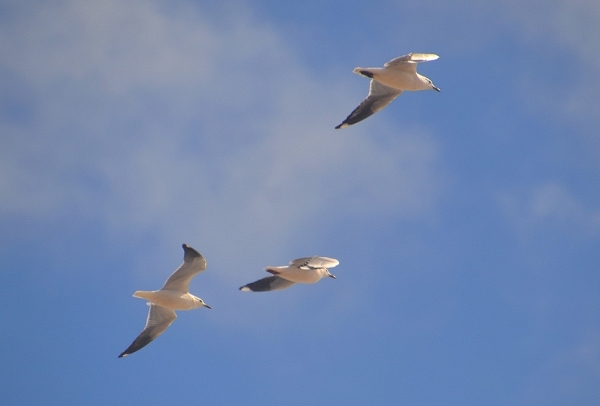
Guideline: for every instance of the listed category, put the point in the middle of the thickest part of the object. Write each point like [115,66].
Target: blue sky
[466,222]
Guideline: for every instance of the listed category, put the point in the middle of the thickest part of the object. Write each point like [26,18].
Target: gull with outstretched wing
[174,295]
[301,270]
[389,82]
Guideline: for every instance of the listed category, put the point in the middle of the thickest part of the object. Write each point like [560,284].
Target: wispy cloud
[550,206]
[565,31]
[193,127]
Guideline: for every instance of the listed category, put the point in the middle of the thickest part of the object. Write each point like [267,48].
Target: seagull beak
[332,276]
[437,89]
[205,305]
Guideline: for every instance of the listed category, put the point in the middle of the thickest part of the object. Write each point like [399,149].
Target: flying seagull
[301,270]
[173,296]
[388,82]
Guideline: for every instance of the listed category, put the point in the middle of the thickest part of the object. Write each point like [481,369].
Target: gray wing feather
[399,61]
[158,320]
[193,264]
[323,262]
[267,284]
[379,97]
[301,261]
[315,262]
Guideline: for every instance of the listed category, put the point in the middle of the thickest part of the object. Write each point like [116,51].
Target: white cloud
[550,206]
[569,31]
[570,24]
[553,201]
[195,127]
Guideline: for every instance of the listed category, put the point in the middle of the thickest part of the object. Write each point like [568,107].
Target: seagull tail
[273,269]
[363,72]
[144,294]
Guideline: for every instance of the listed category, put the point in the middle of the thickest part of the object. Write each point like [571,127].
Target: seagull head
[434,87]
[200,303]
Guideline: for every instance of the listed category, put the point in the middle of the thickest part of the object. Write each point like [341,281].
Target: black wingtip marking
[366,73]
[189,252]
[359,114]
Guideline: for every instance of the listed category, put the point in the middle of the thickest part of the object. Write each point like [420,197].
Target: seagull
[173,296]
[301,270]
[388,82]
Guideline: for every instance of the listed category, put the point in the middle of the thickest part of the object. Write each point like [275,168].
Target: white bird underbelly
[168,298]
[394,78]
[297,275]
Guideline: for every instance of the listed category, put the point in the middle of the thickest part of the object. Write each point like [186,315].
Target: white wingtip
[245,289]
[424,57]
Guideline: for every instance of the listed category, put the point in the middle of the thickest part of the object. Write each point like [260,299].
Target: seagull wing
[193,264]
[315,262]
[379,97]
[409,62]
[298,262]
[159,319]
[267,284]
